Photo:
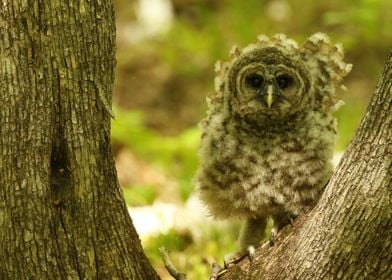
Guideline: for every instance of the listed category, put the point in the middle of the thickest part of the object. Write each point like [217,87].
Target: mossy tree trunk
[62,213]
[348,235]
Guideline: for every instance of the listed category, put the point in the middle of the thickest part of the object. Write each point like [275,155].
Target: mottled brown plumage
[268,137]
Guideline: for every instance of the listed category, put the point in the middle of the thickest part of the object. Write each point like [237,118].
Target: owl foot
[279,225]
[292,217]
[274,233]
[236,257]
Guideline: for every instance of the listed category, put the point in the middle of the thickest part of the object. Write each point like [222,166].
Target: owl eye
[284,81]
[255,81]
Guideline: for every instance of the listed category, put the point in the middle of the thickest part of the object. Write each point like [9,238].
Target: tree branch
[173,271]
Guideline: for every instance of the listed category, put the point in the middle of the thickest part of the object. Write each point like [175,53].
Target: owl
[269,134]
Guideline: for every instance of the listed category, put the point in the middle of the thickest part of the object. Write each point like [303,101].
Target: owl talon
[274,234]
[251,251]
[292,217]
[236,257]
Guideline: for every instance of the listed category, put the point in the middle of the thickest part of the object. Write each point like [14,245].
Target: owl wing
[325,60]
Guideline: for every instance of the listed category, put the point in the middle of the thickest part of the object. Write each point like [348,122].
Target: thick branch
[348,235]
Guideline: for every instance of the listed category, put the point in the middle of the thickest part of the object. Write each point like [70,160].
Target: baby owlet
[268,137]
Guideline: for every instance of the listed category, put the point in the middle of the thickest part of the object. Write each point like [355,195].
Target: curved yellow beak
[269,98]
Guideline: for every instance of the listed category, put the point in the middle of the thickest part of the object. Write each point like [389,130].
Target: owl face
[268,83]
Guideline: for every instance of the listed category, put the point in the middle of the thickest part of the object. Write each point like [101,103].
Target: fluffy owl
[268,137]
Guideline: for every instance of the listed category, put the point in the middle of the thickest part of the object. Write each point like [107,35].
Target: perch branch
[173,271]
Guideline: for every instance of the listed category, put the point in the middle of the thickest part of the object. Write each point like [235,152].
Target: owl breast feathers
[268,137]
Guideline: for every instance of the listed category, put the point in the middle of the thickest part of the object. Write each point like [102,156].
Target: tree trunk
[62,213]
[348,235]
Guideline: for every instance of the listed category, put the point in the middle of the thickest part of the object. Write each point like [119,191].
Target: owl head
[275,79]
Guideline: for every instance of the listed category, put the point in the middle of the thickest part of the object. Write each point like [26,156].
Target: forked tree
[62,213]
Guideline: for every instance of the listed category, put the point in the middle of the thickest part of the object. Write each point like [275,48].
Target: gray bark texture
[62,213]
[348,235]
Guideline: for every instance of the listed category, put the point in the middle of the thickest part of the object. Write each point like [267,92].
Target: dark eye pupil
[284,82]
[255,81]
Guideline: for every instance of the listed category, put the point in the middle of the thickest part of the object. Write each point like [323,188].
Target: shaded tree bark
[62,213]
[348,235]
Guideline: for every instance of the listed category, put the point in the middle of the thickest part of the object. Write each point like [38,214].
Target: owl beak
[269,97]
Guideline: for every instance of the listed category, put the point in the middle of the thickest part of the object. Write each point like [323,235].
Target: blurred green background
[166,51]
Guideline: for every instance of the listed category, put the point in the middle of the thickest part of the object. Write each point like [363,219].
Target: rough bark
[62,213]
[348,235]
